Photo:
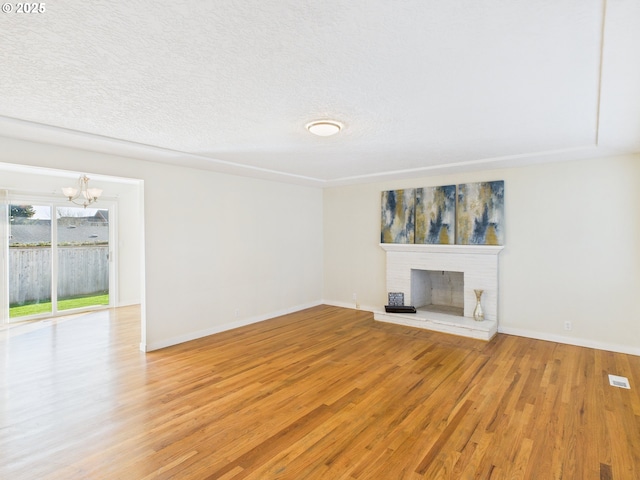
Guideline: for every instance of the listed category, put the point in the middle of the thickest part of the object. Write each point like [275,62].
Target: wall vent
[616,381]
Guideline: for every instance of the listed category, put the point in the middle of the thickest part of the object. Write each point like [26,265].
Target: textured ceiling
[421,86]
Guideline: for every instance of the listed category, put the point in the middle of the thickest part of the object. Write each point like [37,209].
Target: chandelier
[82,195]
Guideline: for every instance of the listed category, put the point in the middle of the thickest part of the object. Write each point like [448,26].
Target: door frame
[53,202]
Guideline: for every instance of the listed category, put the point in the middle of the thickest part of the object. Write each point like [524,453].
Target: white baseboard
[351,305]
[579,342]
[149,347]
[127,304]
[519,332]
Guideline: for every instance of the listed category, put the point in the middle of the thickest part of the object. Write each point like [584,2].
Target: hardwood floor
[326,393]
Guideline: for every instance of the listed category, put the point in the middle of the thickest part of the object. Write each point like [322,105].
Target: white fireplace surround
[478,263]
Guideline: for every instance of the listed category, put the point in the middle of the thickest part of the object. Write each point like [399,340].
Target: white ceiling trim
[509,161]
[33,132]
[47,134]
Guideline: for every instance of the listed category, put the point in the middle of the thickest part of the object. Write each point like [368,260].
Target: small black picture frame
[396,299]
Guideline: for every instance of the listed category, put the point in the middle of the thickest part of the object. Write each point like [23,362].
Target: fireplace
[438,291]
[439,280]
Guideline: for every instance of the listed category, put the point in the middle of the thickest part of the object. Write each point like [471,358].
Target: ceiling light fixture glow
[324,128]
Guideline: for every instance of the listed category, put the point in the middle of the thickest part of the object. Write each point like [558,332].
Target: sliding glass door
[72,272]
[30,260]
[82,257]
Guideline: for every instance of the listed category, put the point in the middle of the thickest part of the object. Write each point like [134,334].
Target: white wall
[265,248]
[213,243]
[220,243]
[572,249]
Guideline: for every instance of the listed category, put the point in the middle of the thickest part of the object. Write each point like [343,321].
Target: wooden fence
[82,270]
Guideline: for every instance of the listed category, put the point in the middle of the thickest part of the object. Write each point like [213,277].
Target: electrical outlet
[567,325]
[237,312]
[354,296]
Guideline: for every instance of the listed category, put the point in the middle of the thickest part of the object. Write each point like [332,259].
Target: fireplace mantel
[457,249]
[479,263]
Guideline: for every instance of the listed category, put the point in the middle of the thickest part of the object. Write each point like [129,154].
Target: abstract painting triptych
[467,214]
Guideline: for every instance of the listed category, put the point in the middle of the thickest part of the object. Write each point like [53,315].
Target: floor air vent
[616,381]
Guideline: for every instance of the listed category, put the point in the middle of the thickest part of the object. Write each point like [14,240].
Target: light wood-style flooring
[326,393]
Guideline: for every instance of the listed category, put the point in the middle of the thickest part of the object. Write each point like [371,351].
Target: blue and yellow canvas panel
[398,216]
[481,213]
[436,215]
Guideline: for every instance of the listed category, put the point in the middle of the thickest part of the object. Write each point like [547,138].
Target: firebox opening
[438,291]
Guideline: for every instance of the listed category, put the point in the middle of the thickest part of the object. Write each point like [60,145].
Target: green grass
[66,304]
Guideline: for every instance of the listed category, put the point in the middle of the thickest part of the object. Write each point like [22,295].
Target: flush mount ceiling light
[324,128]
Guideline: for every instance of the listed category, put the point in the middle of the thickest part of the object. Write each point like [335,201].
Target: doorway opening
[59,259]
